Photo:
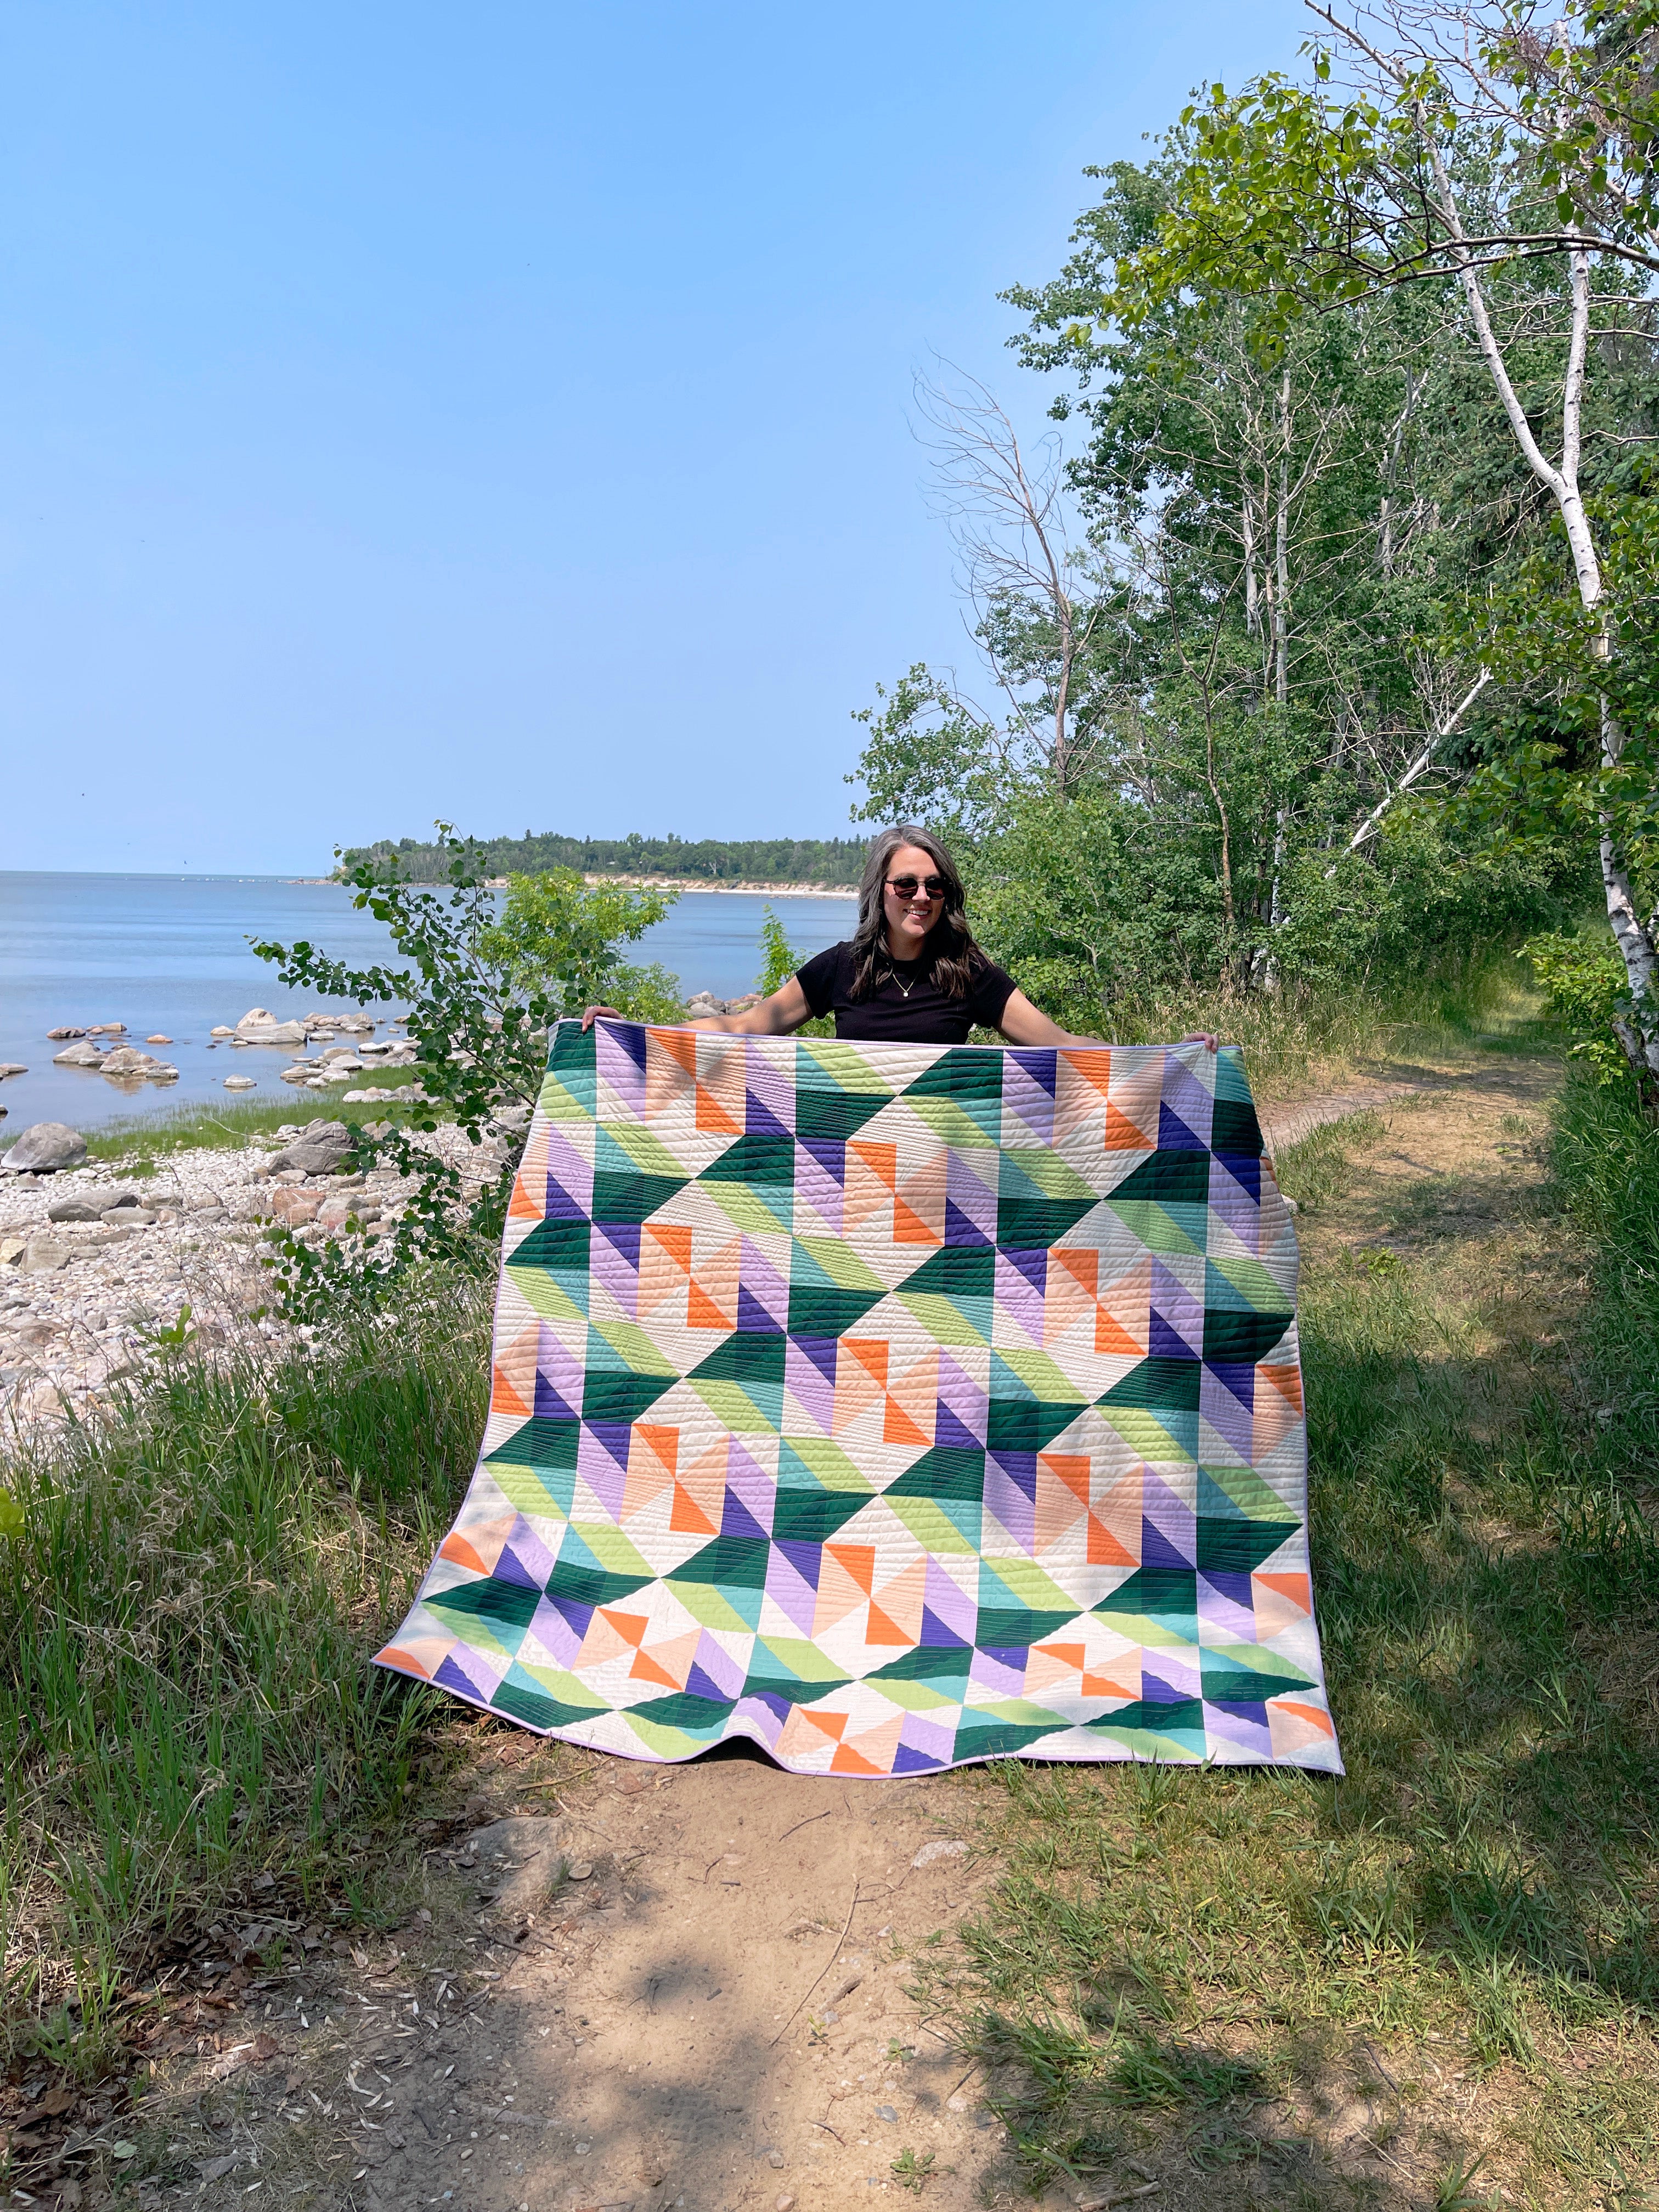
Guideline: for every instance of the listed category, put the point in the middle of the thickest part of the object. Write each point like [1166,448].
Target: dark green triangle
[489,1600]
[813,1517]
[1015,1627]
[1234,1128]
[959,1075]
[956,1270]
[1024,1424]
[835,1114]
[1160,1385]
[610,1393]
[1166,1179]
[1034,1224]
[685,1710]
[1242,1339]
[535,1708]
[554,1244]
[739,1561]
[746,1356]
[769,1160]
[635,1197]
[926,1662]
[1238,1547]
[943,1471]
[825,1310]
[540,1443]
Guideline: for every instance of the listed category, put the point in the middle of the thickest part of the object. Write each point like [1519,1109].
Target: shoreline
[648,883]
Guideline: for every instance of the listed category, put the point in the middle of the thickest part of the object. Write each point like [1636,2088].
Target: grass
[184,1622]
[1450,1955]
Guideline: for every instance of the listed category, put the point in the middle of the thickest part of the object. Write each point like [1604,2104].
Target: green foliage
[836,861]
[779,958]
[1606,1156]
[482,989]
[186,1614]
[560,940]
[929,759]
[1584,988]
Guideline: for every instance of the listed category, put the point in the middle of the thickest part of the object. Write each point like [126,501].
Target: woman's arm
[784,1012]
[1023,1023]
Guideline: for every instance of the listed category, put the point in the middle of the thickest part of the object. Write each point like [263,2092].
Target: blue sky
[503,412]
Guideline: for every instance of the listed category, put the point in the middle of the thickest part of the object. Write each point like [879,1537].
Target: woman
[909,973]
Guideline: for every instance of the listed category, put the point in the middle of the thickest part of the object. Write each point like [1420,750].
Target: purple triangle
[561,1206]
[737,1520]
[509,1568]
[1241,1381]
[759,1119]
[1042,1067]
[777,1706]
[1156,1691]
[1021,1470]
[907,1761]
[1034,1265]
[614,1435]
[752,1316]
[829,1153]
[572,1611]
[623,1236]
[1245,1168]
[1174,1135]
[1235,1588]
[452,1678]
[550,1406]
[949,1430]
[937,1636]
[1165,1341]
[805,1559]
[821,1351]
[1156,1549]
[630,1036]
[698,1685]
[959,1231]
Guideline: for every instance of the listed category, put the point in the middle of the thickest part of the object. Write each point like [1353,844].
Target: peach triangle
[1110,1335]
[459,1554]
[701,1312]
[711,1114]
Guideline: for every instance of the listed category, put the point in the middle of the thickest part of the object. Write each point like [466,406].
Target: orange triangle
[882,1630]
[1071,1655]
[395,1656]
[701,1312]
[1083,1267]
[523,1207]
[1102,1685]
[711,1114]
[858,1561]
[1075,1471]
[849,1761]
[1305,1713]
[688,1517]
[646,1669]
[1095,1067]
[1104,1550]
[909,1228]
[675,1238]
[871,1353]
[1287,1381]
[664,1441]
[504,1399]
[882,1160]
[1297,1588]
[1122,1135]
[832,1723]
[630,1626]
[460,1554]
[899,1429]
[1110,1335]
[680,1045]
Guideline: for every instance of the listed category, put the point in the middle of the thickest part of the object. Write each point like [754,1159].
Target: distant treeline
[709,860]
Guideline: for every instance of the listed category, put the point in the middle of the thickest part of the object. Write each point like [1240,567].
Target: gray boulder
[317,1150]
[82,1055]
[74,1209]
[44,1149]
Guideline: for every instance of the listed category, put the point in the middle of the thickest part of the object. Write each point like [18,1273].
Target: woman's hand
[1204,1037]
[591,1013]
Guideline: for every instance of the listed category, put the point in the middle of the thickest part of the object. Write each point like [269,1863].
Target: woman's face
[911,912]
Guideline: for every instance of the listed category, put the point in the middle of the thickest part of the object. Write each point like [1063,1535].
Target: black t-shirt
[905,1006]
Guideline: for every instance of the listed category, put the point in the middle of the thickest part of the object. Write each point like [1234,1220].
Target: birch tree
[1442,142]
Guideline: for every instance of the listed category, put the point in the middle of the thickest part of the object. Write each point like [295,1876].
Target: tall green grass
[1606,1156]
[185,1618]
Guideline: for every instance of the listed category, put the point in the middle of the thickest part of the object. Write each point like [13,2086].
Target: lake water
[170,954]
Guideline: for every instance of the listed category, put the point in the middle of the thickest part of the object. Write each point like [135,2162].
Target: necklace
[905,988]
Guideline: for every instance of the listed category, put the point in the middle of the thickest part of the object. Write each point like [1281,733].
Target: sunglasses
[935,886]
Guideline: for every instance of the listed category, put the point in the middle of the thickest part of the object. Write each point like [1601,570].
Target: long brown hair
[949,945]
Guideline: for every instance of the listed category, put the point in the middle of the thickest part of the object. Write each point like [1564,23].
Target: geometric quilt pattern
[893,1406]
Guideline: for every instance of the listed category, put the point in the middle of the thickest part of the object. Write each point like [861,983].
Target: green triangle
[487,1599]
[826,1309]
[555,1244]
[956,1270]
[1160,1385]
[943,1471]
[746,1356]
[632,1196]
[1237,1546]
[1169,1178]
[538,1442]
[754,1159]
[730,1562]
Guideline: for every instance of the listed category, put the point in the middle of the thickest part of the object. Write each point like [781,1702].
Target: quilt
[893,1406]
